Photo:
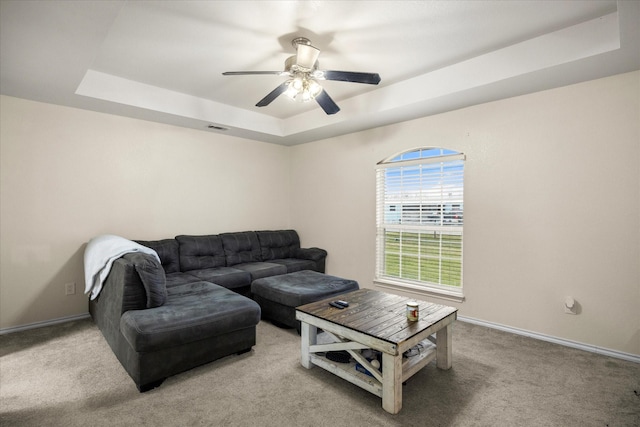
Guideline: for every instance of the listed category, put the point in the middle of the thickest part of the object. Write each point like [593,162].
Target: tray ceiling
[163,60]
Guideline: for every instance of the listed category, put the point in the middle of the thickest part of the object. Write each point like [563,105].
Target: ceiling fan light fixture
[303,88]
[294,87]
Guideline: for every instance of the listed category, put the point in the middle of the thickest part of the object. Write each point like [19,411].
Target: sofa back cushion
[167,250]
[241,247]
[278,244]
[200,252]
[123,284]
[153,278]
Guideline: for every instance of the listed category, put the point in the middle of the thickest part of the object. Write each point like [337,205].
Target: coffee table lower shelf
[348,371]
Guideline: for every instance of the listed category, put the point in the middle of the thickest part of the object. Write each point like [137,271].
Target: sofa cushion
[167,250]
[153,278]
[198,252]
[193,312]
[124,285]
[278,244]
[241,247]
[180,278]
[259,270]
[229,277]
[294,264]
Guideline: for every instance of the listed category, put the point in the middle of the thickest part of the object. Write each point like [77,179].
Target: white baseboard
[561,341]
[43,323]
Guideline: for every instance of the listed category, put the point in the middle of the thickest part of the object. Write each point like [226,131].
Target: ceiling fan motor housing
[291,66]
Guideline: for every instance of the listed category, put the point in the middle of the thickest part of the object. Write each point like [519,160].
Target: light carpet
[66,375]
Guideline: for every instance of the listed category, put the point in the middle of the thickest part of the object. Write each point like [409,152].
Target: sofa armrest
[122,291]
[313,254]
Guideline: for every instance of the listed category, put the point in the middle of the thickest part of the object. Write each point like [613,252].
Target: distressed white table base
[395,369]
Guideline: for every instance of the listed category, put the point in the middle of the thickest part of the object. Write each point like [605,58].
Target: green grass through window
[433,257]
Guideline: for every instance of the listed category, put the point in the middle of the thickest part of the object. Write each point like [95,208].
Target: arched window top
[421,154]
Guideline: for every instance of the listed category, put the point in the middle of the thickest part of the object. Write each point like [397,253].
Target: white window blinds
[420,218]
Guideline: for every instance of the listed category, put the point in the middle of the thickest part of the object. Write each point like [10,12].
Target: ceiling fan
[303,76]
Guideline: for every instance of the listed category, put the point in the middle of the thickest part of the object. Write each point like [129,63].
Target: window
[420,222]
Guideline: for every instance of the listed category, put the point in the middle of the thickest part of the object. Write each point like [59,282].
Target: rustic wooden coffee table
[377,320]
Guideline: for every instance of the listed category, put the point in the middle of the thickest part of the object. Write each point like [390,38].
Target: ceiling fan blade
[307,56]
[272,95]
[249,73]
[327,103]
[351,76]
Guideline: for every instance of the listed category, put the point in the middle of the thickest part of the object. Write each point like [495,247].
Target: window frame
[413,157]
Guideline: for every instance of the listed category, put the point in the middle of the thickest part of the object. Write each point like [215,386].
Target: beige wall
[552,206]
[552,201]
[68,175]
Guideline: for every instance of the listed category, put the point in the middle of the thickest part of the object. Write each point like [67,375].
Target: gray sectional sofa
[192,307]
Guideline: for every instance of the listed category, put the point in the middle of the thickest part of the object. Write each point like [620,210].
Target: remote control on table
[336,305]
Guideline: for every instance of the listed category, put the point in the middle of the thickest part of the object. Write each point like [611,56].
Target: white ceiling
[163,60]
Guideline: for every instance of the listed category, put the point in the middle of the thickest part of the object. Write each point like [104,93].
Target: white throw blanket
[100,254]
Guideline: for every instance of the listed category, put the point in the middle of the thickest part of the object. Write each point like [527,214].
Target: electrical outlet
[70,288]
[570,305]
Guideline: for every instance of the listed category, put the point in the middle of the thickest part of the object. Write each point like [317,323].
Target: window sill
[420,290]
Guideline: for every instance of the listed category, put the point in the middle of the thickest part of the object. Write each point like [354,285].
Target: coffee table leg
[309,337]
[443,347]
[391,383]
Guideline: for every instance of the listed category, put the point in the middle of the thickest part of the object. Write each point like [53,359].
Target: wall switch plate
[70,288]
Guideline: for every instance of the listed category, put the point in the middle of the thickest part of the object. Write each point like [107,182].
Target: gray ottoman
[278,296]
